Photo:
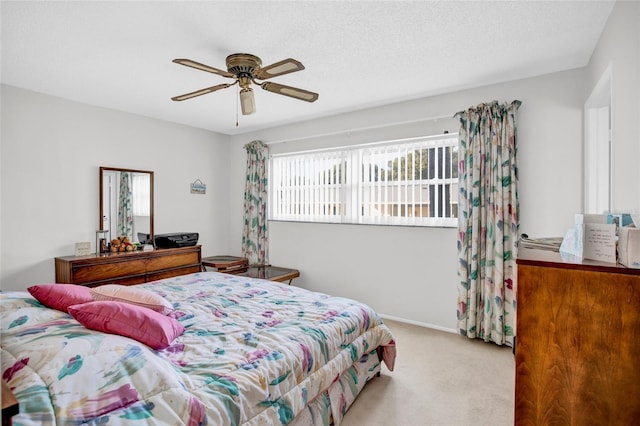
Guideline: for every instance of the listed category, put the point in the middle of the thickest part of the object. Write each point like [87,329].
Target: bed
[252,352]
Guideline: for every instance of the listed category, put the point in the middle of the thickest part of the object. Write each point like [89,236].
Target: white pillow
[135,296]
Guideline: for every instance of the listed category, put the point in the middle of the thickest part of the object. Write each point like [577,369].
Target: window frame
[300,201]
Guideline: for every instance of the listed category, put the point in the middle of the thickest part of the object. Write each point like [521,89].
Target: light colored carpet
[439,379]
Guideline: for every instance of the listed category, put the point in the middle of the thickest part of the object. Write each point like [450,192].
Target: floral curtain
[125,211]
[255,236]
[488,222]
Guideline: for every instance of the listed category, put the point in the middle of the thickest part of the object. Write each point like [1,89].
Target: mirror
[126,204]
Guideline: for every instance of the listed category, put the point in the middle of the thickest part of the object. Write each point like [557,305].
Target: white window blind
[409,182]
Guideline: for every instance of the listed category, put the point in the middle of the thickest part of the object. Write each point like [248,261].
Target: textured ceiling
[357,54]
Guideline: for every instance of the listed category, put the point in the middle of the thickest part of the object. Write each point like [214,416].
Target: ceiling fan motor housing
[243,64]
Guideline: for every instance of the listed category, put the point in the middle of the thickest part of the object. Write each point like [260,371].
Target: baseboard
[420,324]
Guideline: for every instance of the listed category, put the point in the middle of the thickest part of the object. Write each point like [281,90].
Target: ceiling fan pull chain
[237,96]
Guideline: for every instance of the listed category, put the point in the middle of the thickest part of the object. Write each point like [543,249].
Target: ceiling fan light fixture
[247,101]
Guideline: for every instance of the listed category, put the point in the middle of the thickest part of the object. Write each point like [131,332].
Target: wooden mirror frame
[101,213]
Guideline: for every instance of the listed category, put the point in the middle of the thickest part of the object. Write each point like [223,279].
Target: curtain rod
[446,134]
[359,129]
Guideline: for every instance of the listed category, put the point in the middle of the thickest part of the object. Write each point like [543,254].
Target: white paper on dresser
[599,242]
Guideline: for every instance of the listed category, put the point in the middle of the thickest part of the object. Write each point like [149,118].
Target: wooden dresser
[128,268]
[578,342]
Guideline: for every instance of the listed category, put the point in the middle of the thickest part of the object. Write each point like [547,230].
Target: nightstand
[225,263]
[272,273]
[240,266]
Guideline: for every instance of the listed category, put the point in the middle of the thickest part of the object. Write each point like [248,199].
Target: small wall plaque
[198,187]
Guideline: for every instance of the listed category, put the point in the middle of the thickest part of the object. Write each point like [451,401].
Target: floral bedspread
[253,352]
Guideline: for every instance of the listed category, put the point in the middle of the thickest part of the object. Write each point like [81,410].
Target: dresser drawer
[128,280]
[108,271]
[171,261]
[174,272]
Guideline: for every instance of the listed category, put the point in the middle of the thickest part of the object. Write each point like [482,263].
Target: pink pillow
[131,294]
[60,296]
[144,325]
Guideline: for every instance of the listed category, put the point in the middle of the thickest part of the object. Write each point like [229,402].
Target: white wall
[410,273]
[619,46]
[50,154]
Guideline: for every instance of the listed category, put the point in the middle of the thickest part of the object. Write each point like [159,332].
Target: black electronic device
[178,239]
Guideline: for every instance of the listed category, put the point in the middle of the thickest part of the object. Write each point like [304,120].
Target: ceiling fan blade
[203,67]
[201,92]
[285,66]
[303,95]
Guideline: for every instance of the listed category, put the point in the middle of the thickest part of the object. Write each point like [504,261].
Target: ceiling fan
[246,69]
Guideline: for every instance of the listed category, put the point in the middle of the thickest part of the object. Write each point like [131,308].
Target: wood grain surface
[578,347]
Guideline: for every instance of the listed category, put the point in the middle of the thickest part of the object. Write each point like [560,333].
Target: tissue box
[629,247]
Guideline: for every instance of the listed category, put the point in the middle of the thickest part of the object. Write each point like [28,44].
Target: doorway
[598,147]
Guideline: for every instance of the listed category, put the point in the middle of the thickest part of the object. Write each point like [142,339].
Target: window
[141,191]
[411,182]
